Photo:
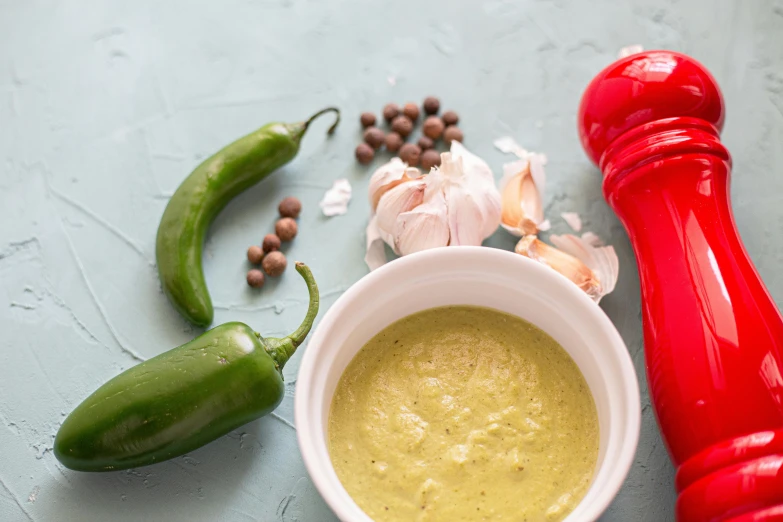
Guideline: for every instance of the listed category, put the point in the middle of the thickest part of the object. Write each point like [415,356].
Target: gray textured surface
[106,106]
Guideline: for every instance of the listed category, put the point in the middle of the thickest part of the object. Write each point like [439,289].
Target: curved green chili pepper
[181,399]
[200,198]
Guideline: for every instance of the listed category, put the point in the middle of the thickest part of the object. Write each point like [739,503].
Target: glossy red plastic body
[713,335]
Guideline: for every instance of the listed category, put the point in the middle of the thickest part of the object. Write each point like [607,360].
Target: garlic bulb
[455,204]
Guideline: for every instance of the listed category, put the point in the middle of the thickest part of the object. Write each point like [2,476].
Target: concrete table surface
[106,106]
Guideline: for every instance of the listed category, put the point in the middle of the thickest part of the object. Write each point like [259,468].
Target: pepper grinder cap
[642,88]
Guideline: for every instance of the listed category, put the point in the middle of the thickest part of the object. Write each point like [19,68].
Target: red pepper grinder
[713,336]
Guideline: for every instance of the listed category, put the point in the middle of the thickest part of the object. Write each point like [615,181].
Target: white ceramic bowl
[471,276]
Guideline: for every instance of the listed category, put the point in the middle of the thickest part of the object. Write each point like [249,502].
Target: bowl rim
[617,349]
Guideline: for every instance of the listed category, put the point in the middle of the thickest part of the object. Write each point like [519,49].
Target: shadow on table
[196,486]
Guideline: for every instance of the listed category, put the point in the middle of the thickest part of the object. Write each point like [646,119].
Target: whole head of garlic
[455,204]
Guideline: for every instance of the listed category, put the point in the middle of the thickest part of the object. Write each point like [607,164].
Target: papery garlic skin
[336,199]
[573,220]
[509,145]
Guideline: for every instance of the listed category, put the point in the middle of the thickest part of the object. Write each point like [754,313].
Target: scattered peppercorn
[411,110]
[402,125]
[410,153]
[290,207]
[402,121]
[393,142]
[255,278]
[431,105]
[271,243]
[368,119]
[425,143]
[274,264]
[433,127]
[391,111]
[286,229]
[255,254]
[364,153]
[452,133]
[374,137]
[430,158]
[450,118]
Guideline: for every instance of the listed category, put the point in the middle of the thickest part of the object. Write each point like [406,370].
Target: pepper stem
[319,113]
[282,349]
[298,336]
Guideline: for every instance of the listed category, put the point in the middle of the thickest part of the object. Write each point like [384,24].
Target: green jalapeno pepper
[181,399]
[203,194]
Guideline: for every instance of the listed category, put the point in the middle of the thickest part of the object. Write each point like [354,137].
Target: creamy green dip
[463,413]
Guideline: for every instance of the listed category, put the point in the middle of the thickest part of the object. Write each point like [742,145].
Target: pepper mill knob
[643,88]
[713,336]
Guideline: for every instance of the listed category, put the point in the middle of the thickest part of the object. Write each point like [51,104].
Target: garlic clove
[402,198]
[601,260]
[537,172]
[388,176]
[465,217]
[566,264]
[473,200]
[472,166]
[530,200]
[522,189]
[375,252]
[424,227]
[488,199]
[511,194]
[521,208]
